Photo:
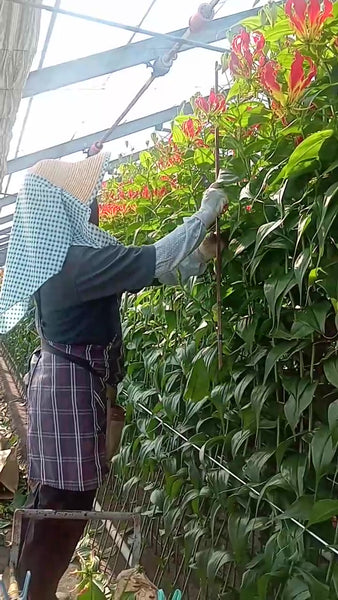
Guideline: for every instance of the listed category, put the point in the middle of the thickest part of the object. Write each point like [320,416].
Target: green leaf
[252,23]
[302,263]
[259,396]
[293,470]
[303,224]
[322,511]
[317,588]
[218,482]
[146,159]
[325,227]
[306,154]
[226,177]
[296,589]
[4,524]
[242,386]
[197,386]
[278,31]
[301,394]
[313,276]
[237,528]
[275,354]
[300,509]
[327,215]
[262,586]
[217,559]
[255,464]
[91,592]
[333,420]
[264,231]
[170,317]
[312,318]
[281,450]
[322,451]
[334,580]
[208,563]
[246,240]
[191,540]
[246,329]
[239,88]
[203,157]
[238,440]
[178,135]
[331,371]
[275,288]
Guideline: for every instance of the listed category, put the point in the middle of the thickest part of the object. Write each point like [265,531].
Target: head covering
[52,214]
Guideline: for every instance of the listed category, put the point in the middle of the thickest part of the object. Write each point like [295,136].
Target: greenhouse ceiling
[85,73]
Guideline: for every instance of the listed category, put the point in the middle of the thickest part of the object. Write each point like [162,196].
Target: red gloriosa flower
[270,82]
[214,104]
[298,80]
[115,209]
[307,17]
[191,129]
[246,53]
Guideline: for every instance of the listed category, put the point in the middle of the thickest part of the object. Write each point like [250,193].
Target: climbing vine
[271,415]
[236,461]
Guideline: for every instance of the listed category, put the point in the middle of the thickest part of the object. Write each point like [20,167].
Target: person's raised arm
[117,268]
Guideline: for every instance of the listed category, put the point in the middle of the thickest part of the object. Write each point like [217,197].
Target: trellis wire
[150,33]
[216,462]
[168,547]
[241,481]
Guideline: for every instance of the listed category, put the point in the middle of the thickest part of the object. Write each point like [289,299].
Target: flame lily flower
[246,53]
[115,209]
[191,129]
[307,17]
[269,81]
[298,80]
[214,104]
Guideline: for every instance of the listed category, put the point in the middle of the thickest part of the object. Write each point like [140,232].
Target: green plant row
[271,414]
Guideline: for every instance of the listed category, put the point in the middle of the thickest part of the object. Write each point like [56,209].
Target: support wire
[241,481]
[166,36]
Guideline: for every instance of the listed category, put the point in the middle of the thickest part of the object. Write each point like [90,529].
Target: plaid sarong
[67,419]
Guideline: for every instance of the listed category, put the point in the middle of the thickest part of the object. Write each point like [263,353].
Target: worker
[77,273]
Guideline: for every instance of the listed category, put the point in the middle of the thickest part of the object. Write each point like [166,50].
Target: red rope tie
[198,21]
[94,149]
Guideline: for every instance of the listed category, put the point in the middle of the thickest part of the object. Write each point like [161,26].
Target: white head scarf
[52,214]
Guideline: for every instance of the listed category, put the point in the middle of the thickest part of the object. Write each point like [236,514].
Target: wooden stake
[218,247]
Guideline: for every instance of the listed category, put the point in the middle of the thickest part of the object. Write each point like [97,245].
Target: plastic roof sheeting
[19,34]
[93,105]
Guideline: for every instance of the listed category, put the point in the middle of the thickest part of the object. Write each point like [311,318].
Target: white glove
[208,248]
[213,203]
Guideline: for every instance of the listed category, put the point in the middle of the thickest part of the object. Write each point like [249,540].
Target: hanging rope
[150,7]
[161,67]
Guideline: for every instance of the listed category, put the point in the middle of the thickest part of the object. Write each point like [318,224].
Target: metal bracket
[79,515]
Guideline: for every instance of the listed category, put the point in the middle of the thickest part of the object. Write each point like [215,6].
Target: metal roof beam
[3,254]
[117,59]
[4,233]
[79,144]
[6,219]
[7,200]
[122,160]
